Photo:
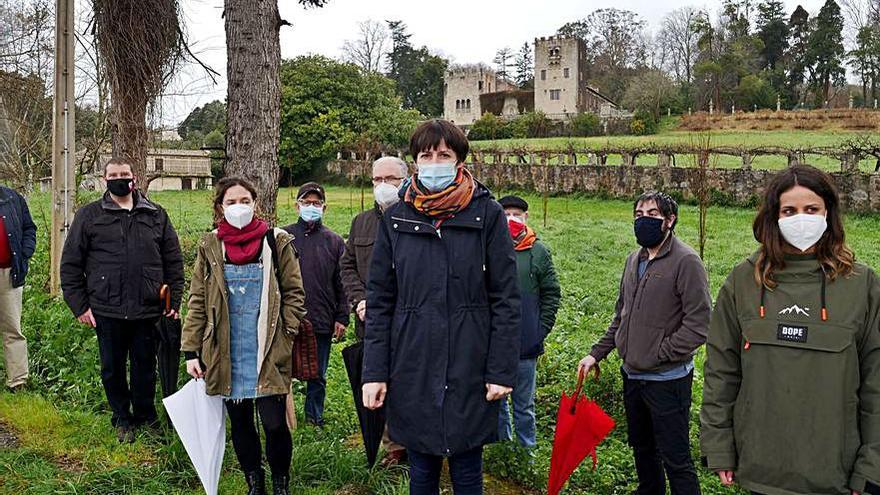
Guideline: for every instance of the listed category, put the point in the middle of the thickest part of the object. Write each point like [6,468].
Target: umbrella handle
[580,385]
[165,295]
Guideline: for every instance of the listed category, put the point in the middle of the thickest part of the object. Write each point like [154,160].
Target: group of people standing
[453,294]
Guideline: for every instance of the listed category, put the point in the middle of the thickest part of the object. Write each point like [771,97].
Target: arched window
[458,104]
[468,102]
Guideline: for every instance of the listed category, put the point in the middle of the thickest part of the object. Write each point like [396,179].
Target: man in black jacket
[119,252]
[319,251]
[18,240]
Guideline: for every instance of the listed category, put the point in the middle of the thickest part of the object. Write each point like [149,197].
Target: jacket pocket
[643,347]
[795,425]
[103,288]
[150,285]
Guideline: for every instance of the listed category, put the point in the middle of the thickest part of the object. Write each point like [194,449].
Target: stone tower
[462,88]
[560,76]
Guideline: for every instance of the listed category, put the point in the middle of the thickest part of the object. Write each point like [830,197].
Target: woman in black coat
[442,331]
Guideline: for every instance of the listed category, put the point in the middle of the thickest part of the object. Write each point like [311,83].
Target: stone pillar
[849,163]
[778,103]
[747,161]
[339,155]
[663,160]
[629,159]
[793,160]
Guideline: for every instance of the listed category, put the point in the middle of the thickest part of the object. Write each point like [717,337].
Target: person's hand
[496,392]
[362,310]
[339,331]
[726,477]
[87,318]
[172,314]
[374,394]
[586,365]
[194,369]
[855,493]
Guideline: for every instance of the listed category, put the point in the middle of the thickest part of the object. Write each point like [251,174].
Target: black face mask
[120,187]
[649,231]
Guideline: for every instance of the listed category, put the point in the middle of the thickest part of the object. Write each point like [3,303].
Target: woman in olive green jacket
[238,334]
[791,398]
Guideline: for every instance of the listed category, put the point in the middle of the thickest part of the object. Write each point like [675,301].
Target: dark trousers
[657,414]
[316,390]
[465,469]
[119,341]
[246,440]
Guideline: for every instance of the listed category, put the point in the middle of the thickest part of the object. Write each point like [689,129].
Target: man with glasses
[388,174]
[319,251]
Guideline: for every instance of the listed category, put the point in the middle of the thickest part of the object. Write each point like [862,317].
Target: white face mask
[803,231]
[239,215]
[385,194]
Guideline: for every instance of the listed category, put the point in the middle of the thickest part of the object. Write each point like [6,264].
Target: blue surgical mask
[437,176]
[311,213]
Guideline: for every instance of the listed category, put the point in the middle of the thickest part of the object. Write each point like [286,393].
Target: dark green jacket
[540,293]
[791,403]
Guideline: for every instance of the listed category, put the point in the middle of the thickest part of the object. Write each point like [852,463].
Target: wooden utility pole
[63,138]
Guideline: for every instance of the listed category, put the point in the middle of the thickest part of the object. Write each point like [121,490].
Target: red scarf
[242,245]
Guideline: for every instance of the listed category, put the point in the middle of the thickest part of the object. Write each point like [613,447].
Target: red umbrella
[581,425]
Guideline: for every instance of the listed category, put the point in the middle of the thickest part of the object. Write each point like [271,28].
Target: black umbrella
[168,346]
[372,421]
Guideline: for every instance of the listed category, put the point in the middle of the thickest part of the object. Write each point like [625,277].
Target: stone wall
[859,191]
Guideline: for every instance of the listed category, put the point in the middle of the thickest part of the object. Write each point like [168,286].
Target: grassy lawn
[63,441]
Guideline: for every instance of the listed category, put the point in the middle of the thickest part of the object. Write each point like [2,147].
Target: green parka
[791,402]
[206,329]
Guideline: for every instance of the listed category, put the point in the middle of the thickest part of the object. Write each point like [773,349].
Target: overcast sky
[465,31]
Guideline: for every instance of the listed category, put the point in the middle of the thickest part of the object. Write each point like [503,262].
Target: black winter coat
[21,231]
[115,261]
[443,312]
[319,250]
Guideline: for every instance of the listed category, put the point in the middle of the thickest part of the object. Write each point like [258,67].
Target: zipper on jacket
[417,222]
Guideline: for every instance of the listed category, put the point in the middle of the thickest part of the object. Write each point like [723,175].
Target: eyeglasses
[387,180]
[314,202]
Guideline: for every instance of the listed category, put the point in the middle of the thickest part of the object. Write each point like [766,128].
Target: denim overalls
[245,286]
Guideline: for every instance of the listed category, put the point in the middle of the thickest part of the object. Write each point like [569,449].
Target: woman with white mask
[791,398]
[246,302]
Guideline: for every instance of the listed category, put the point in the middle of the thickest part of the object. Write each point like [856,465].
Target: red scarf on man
[242,245]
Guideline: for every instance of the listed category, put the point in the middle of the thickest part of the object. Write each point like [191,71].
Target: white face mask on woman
[803,230]
[239,215]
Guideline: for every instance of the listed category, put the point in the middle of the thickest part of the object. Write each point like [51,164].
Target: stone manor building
[561,88]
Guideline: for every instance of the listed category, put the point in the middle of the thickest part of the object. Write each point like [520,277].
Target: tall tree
[616,46]
[773,30]
[865,60]
[417,72]
[680,37]
[503,62]
[207,118]
[800,29]
[825,52]
[140,42]
[525,67]
[368,50]
[253,57]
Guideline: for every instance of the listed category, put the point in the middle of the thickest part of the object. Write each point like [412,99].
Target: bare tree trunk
[253,56]
[131,138]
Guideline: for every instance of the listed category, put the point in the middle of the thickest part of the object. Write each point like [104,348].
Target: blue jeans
[523,397]
[316,389]
[465,469]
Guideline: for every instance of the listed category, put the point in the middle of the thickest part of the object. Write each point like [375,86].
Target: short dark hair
[664,202]
[429,135]
[224,185]
[119,160]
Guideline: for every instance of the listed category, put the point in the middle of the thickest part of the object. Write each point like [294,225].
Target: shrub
[488,126]
[585,124]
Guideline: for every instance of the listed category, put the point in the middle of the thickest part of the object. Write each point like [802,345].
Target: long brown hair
[224,185]
[834,256]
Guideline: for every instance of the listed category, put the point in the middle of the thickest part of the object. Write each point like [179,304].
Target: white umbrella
[200,421]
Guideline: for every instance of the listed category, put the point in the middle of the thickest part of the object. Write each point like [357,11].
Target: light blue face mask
[437,176]
[311,213]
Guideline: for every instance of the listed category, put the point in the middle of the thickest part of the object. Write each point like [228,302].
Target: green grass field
[63,442]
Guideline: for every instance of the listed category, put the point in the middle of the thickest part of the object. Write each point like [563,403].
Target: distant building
[561,88]
[177,170]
